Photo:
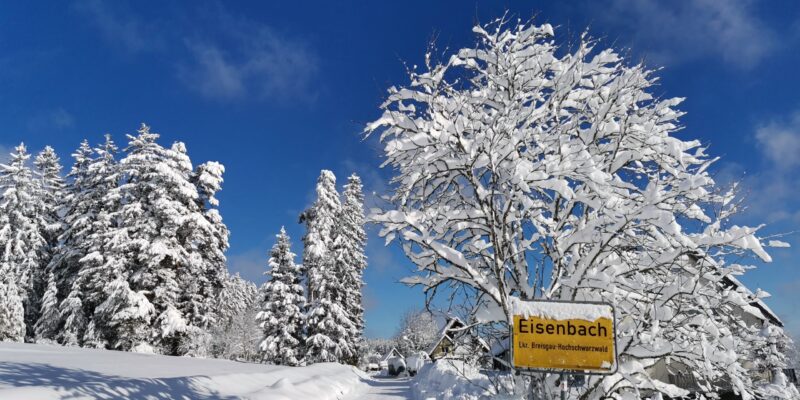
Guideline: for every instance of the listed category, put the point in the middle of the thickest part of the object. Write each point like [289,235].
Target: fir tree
[350,260]
[235,335]
[210,238]
[49,320]
[127,314]
[12,313]
[281,315]
[51,196]
[328,324]
[23,248]
[145,246]
[80,265]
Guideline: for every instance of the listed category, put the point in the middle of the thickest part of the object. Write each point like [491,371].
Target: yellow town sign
[564,336]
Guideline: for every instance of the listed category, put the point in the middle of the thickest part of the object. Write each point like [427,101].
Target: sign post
[564,338]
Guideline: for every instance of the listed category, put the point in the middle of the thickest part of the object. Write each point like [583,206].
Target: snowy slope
[33,372]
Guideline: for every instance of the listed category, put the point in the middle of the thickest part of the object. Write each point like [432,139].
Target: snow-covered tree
[156,240]
[126,314]
[23,248]
[12,313]
[47,326]
[209,239]
[348,255]
[282,306]
[328,322]
[79,264]
[524,171]
[236,333]
[50,201]
[418,331]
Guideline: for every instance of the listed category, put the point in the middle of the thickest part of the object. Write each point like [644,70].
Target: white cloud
[229,58]
[248,58]
[677,31]
[779,141]
[771,190]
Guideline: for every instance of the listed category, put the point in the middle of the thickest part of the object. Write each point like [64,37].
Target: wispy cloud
[678,31]
[232,57]
[119,26]
[771,190]
[779,141]
[249,59]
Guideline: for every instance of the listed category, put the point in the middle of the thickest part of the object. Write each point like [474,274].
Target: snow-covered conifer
[47,326]
[51,196]
[328,323]
[126,314]
[283,302]
[23,248]
[80,264]
[158,204]
[349,258]
[236,334]
[12,314]
[209,237]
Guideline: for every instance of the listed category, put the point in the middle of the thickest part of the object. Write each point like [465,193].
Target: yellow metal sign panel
[566,344]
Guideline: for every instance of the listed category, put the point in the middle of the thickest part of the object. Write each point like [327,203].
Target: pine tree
[349,256]
[281,315]
[210,238]
[47,326]
[165,240]
[146,245]
[51,197]
[23,248]
[328,324]
[64,263]
[126,314]
[235,335]
[80,264]
[12,313]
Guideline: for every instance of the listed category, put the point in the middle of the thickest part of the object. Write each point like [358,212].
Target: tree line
[127,252]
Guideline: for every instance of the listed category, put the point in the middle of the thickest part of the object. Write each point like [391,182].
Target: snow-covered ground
[34,372]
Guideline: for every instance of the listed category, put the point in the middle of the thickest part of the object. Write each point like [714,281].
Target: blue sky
[277,91]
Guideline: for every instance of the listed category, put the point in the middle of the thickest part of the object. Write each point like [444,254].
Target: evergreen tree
[281,315]
[80,264]
[51,196]
[350,260]
[235,335]
[146,246]
[328,324]
[126,314]
[12,314]
[47,326]
[23,248]
[210,238]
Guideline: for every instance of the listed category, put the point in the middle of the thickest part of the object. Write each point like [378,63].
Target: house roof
[391,353]
[765,312]
[452,323]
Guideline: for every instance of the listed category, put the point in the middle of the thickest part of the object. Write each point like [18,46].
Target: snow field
[39,372]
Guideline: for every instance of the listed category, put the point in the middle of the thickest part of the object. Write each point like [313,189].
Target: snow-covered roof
[766,312]
[443,333]
[393,352]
